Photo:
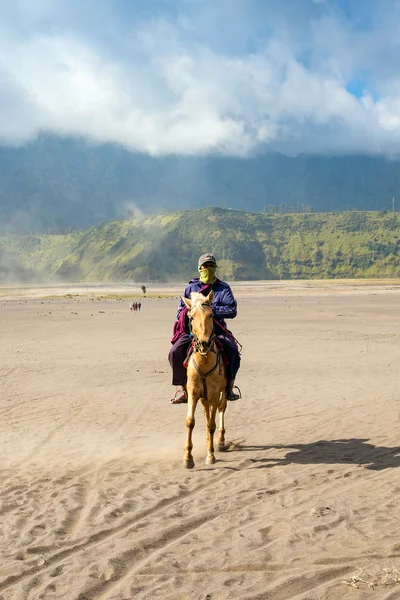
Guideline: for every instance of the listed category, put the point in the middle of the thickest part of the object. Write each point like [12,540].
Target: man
[224,307]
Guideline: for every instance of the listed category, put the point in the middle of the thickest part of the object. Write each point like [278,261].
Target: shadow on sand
[352,451]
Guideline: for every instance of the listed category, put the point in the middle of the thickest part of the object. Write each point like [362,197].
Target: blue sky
[204,76]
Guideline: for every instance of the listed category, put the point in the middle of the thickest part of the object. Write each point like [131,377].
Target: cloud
[231,77]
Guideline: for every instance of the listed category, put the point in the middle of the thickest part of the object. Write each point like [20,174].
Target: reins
[230,334]
[224,329]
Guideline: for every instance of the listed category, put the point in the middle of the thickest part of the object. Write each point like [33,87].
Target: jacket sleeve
[225,305]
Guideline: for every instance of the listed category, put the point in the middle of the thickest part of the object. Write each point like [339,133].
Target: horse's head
[201,320]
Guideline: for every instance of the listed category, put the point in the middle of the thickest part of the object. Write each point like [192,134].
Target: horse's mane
[198,300]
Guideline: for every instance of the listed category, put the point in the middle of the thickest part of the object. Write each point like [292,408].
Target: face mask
[208,275]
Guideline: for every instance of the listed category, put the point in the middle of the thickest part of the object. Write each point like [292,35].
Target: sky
[196,77]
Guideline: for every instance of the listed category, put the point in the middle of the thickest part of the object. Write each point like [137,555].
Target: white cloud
[160,92]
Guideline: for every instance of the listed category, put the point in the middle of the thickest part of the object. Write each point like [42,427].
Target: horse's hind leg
[188,461]
[221,430]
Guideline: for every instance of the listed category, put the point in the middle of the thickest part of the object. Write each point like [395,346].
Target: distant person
[224,307]
[131,306]
[139,305]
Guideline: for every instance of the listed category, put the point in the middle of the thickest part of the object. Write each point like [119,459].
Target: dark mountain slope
[68,183]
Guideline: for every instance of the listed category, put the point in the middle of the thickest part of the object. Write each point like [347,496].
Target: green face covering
[208,275]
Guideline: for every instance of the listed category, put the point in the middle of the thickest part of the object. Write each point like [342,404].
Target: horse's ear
[187,302]
[210,297]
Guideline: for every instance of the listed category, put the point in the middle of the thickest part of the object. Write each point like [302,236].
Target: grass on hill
[248,246]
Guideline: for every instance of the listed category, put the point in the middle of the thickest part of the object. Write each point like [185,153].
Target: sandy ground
[95,503]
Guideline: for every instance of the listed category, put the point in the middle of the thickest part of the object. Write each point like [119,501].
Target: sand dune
[95,503]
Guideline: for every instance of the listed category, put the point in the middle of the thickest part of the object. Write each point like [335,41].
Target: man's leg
[176,358]
[232,354]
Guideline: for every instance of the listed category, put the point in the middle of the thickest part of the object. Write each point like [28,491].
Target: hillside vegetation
[247,246]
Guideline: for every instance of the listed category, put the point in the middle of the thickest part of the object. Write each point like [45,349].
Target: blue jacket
[224,304]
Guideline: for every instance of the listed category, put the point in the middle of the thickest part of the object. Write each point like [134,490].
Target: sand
[95,502]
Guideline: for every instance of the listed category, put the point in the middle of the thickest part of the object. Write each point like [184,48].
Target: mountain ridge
[54,183]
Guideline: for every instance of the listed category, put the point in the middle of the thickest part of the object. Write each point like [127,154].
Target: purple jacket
[224,304]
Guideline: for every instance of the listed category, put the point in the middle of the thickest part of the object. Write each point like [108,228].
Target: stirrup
[231,395]
[180,397]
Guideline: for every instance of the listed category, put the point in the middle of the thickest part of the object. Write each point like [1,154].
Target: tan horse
[206,377]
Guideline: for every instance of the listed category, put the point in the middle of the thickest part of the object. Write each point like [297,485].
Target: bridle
[210,347]
[199,346]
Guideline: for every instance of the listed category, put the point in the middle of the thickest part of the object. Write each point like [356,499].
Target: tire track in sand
[105,535]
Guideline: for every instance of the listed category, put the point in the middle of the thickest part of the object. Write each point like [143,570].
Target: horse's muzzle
[204,346]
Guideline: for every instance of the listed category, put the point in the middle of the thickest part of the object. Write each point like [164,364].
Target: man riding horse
[224,307]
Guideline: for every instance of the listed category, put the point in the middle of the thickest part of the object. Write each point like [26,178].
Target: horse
[206,376]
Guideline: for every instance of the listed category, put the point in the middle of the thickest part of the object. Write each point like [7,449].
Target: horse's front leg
[188,461]
[221,430]
[210,411]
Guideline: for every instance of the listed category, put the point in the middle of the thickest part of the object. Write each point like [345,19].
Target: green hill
[247,246]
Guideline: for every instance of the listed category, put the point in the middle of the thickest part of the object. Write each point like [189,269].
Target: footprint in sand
[38,530]
[320,511]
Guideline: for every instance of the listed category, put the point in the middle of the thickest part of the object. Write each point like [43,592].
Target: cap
[206,258]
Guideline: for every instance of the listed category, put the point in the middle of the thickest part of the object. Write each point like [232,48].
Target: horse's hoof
[188,464]
[221,447]
[210,460]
